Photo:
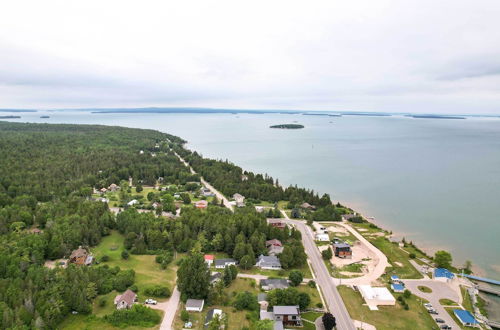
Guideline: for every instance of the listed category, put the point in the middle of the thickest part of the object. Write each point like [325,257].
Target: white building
[376,296]
[322,237]
[133,202]
[194,305]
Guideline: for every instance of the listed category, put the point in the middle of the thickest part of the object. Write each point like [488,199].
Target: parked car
[150,302]
[433,311]
[438,320]
[427,305]
[445,327]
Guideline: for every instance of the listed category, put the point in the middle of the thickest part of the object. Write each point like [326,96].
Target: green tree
[327,254]
[246,300]
[138,188]
[443,259]
[295,277]
[247,262]
[193,277]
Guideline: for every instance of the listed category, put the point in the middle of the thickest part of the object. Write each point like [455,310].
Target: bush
[138,315]
[158,291]
[125,254]
[295,277]
[407,294]
[319,305]
[327,254]
[412,255]
[184,316]
[311,284]
[102,301]
[134,288]
[104,258]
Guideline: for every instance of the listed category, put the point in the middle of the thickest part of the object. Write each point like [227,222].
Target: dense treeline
[47,175]
[231,179]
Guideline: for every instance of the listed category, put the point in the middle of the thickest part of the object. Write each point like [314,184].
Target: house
[195,305]
[240,199]
[276,222]
[395,279]
[125,300]
[307,206]
[155,205]
[443,275]
[201,204]
[398,288]
[223,263]
[103,190]
[273,242]
[262,300]
[274,250]
[342,250]
[466,318]
[211,314]
[133,202]
[347,217]
[80,256]
[268,262]
[206,192]
[322,237]
[259,209]
[289,315]
[274,283]
[376,296]
[113,187]
[215,277]
[209,259]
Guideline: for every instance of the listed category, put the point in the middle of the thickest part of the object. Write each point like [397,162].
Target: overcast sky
[409,56]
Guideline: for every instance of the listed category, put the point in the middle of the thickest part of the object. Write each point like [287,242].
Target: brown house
[125,300]
[342,250]
[80,256]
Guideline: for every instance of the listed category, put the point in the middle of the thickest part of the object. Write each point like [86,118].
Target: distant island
[44,116]
[287,126]
[10,117]
[436,117]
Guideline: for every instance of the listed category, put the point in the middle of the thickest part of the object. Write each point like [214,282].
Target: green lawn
[306,272]
[424,288]
[309,316]
[396,255]
[447,302]
[313,293]
[387,317]
[147,271]
[466,301]
[91,322]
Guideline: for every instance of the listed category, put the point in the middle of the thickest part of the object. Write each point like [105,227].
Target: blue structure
[465,317]
[443,272]
[395,278]
[398,287]
[482,279]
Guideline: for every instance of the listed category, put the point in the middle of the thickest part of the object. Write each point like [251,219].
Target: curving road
[332,297]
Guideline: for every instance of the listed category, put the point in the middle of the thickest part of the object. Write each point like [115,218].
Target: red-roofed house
[209,259]
[273,242]
[201,204]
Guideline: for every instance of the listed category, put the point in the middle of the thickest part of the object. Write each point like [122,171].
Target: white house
[133,202]
[194,305]
[223,263]
[322,237]
[376,296]
[268,262]
[125,300]
[240,200]
[209,259]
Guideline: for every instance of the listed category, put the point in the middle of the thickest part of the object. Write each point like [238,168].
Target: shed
[195,305]
[399,288]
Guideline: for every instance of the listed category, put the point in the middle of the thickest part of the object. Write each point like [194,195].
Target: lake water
[433,181]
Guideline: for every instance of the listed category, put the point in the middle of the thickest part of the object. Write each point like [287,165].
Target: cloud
[418,56]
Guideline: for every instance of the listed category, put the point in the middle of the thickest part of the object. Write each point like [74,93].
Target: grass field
[395,255]
[387,317]
[311,317]
[466,301]
[306,272]
[91,322]
[313,293]
[147,271]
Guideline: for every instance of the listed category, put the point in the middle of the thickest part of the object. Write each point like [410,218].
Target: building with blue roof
[399,288]
[395,279]
[443,274]
[466,318]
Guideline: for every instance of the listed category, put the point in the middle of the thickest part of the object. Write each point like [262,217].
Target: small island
[287,126]
[10,117]
[45,116]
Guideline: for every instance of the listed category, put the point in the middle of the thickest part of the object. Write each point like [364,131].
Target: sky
[396,56]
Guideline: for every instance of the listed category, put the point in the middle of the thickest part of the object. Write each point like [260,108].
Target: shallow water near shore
[434,181]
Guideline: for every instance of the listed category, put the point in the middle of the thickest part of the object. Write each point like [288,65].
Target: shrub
[184,316]
[102,301]
[319,305]
[412,255]
[138,315]
[295,277]
[104,258]
[158,291]
[311,284]
[125,254]
[407,294]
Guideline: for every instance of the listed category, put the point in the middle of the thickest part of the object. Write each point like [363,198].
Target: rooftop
[465,316]
[380,293]
[194,303]
[443,272]
[398,287]
[286,310]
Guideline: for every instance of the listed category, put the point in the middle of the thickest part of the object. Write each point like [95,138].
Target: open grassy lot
[466,301]
[398,258]
[147,271]
[92,322]
[313,293]
[311,317]
[306,272]
[387,317]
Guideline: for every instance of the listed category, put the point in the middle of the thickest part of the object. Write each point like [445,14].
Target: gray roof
[265,315]
[262,297]
[194,303]
[286,310]
[341,245]
[215,276]
[268,261]
[222,262]
[275,283]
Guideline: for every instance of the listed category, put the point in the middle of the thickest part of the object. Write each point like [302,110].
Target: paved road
[169,308]
[323,279]
[440,290]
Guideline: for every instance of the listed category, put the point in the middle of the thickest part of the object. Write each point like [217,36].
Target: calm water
[436,182]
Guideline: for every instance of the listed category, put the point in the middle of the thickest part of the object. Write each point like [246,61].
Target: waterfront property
[375,296]
[195,305]
[342,250]
[466,318]
[443,275]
